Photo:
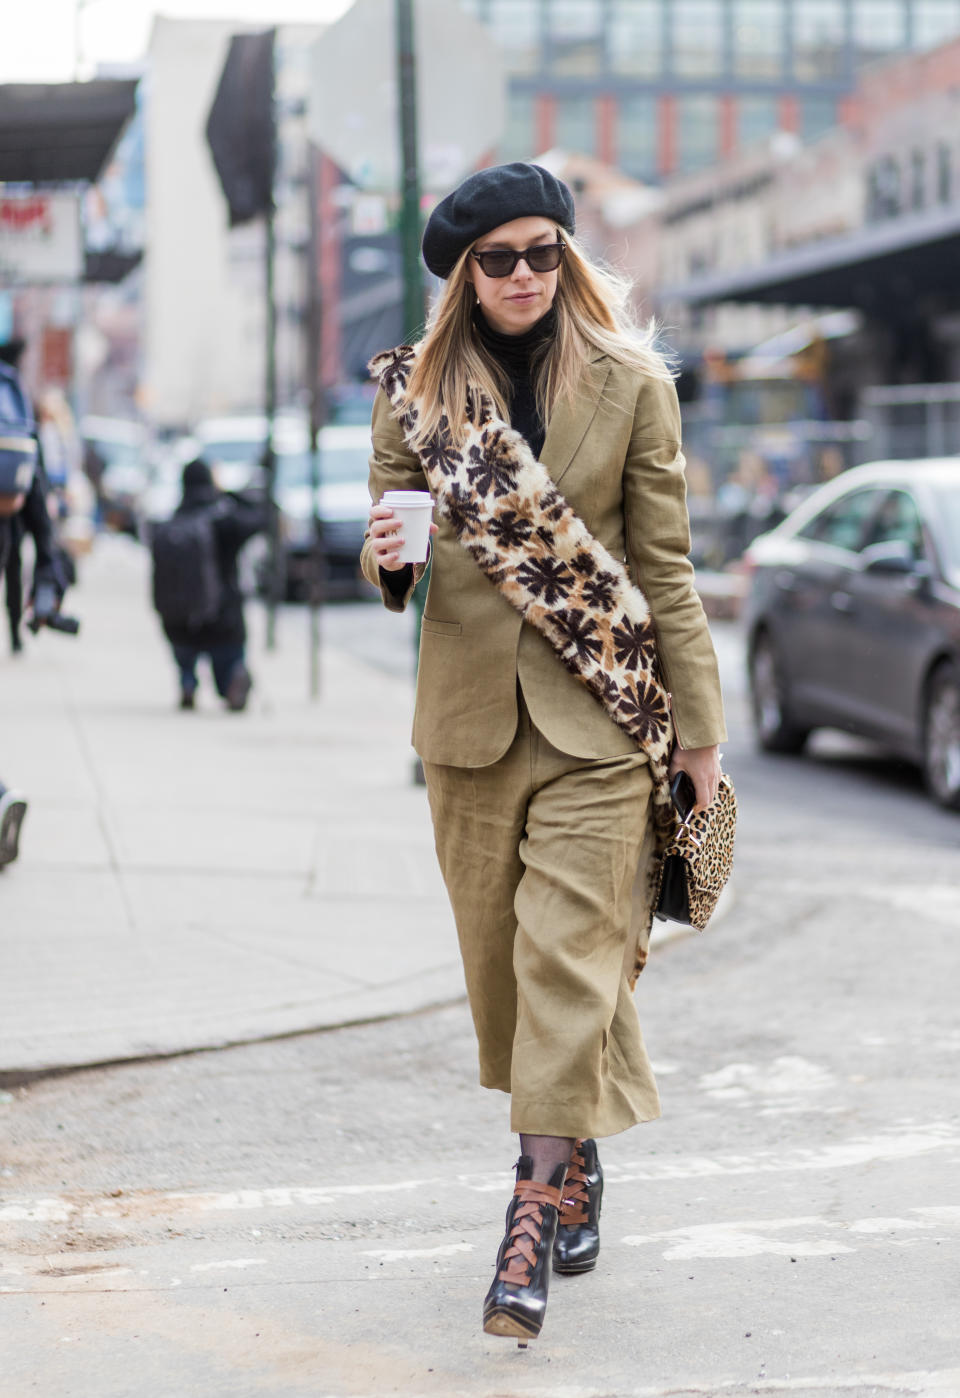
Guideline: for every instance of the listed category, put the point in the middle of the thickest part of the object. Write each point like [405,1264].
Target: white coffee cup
[414,510]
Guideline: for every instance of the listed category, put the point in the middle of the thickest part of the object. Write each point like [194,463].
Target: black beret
[487,199]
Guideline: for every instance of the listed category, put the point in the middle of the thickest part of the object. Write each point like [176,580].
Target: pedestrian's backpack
[187,584]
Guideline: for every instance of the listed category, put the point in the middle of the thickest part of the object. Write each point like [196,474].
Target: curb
[662,935]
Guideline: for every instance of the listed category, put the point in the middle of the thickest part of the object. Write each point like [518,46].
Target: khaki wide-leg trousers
[539,852]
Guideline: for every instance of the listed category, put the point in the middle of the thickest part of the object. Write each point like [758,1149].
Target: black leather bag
[673,904]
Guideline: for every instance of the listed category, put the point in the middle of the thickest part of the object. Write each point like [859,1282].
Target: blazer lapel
[570,420]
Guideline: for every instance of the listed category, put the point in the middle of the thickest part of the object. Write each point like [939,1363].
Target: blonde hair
[592,306]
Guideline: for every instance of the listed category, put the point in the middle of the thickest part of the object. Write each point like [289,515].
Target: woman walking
[565,671]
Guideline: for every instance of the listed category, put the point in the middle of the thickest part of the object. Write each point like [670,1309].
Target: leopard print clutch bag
[696,864]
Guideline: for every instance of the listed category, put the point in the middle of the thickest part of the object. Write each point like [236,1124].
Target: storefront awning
[59,132]
[903,261]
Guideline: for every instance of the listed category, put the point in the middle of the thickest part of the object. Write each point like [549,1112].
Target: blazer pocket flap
[441,628]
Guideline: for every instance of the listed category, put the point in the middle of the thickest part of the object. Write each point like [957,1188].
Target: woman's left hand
[702,766]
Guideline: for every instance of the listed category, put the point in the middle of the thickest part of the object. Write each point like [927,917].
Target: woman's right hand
[386,539]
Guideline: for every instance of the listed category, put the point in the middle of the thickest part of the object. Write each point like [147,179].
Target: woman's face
[512,304]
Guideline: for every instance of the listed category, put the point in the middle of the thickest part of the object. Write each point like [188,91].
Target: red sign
[27,215]
[40,238]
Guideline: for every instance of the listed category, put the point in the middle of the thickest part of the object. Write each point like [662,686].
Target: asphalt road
[319,1216]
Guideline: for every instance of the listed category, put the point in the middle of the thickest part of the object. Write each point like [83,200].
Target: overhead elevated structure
[879,266]
[60,133]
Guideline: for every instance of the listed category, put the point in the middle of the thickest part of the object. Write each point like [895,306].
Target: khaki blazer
[614,452]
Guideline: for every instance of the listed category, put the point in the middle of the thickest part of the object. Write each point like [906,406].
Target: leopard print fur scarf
[521,532]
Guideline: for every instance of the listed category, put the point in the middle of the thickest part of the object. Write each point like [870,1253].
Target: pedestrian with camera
[23,508]
[196,584]
[566,675]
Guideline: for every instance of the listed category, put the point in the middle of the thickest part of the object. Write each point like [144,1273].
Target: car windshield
[948,509]
[116,453]
[234,449]
[338,466]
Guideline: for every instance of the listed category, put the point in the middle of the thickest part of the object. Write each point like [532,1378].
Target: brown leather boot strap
[521,1257]
[575,1197]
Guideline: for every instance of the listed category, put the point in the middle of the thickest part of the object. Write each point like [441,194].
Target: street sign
[461,94]
[40,238]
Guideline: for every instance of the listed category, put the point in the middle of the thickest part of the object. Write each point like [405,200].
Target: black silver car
[853,617]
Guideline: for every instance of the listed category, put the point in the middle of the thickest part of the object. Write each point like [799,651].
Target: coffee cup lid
[407,497]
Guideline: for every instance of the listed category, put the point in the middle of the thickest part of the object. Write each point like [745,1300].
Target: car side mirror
[892,556]
[921,575]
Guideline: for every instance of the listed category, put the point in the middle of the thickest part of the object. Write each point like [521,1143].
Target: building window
[883,190]
[698,125]
[636,37]
[637,136]
[935,21]
[697,39]
[519,141]
[918,179]
[817,115]
[576,38]
[944,173]
[879,27]
[818,39]
[576,127]
[515,25]
[758,39]
[757,120]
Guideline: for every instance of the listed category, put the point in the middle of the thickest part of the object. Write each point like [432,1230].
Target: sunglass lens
[497,264]
[545,259]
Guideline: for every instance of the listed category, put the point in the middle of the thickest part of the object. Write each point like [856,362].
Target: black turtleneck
[515,354]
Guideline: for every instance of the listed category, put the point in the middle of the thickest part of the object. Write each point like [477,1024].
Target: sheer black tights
[546,1152]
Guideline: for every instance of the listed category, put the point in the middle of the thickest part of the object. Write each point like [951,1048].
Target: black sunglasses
[501,262]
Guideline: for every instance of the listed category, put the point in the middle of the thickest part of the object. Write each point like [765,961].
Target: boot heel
[516,1303]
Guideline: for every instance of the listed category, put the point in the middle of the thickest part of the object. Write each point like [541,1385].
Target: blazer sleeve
[658,542]
[393,466]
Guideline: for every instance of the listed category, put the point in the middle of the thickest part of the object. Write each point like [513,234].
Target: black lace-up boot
[517,1300]
[577,1244]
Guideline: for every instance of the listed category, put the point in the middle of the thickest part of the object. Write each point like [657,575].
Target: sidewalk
[193,880]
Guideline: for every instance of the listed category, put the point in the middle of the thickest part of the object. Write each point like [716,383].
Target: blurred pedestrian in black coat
[227,521]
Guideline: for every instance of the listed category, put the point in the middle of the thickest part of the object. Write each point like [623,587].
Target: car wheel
[776,730]
[941,737]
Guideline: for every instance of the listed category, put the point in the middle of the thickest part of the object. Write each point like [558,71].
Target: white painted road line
[404,1254]
[906,1143]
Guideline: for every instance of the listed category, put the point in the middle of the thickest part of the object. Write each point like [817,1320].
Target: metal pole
[413,307]
[318,415]
[413,299]
[274,581]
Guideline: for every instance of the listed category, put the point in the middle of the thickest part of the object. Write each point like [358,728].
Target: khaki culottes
[539,852]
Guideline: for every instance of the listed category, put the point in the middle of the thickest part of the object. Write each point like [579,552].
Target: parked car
[853,617]
[234,449]
[234,446]
[162,495]
[343,506]
[117,459]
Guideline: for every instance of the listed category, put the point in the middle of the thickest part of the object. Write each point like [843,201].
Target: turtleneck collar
[514,352]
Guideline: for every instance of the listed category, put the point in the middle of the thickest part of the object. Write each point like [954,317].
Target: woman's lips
[523,296]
